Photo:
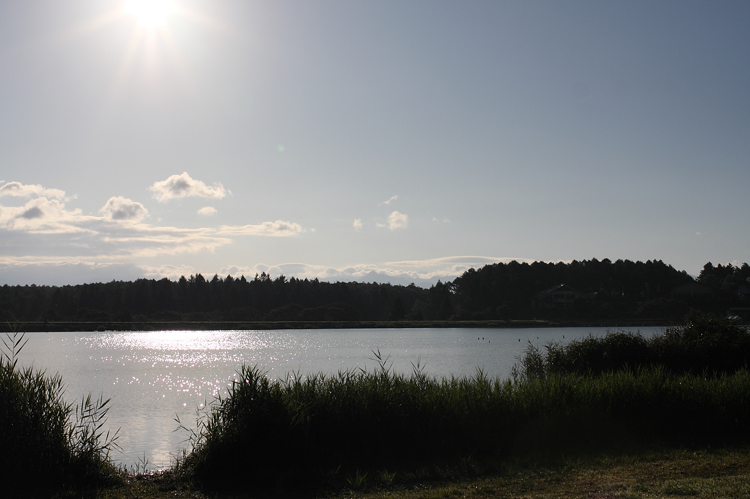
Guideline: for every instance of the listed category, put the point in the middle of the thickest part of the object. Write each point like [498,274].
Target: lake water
[152,377]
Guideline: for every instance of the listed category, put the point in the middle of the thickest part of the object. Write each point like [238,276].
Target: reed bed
[303,433]
[301,430]
[48,444]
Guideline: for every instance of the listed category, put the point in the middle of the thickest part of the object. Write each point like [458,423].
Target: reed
[310,432]
[46,442]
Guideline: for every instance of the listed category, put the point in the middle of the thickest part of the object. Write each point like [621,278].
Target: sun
[150,13]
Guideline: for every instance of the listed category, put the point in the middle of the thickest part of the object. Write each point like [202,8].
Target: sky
[400,141]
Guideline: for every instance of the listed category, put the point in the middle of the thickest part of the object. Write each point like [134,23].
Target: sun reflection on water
[179,340]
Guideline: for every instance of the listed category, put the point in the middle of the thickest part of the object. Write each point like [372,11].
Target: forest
[583,291]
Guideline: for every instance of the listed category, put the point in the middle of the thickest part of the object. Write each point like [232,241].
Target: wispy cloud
[357,224]
[17,189]
[180,186]
[144,241]
[207,211]
[279,228]
[451,265]
[389,200]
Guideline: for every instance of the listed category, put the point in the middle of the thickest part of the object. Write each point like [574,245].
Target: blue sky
[335,139]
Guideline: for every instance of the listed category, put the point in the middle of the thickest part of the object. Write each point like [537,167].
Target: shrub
[704,345]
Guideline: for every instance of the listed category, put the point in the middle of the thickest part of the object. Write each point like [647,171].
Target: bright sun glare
[150,12]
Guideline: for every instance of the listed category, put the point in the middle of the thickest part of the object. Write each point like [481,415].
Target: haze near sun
[150,13]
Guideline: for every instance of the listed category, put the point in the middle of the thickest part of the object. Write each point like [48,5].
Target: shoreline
[101,326]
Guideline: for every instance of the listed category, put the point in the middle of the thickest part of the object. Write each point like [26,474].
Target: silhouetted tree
[398,313]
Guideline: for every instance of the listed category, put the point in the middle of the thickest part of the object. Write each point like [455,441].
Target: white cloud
[17,189]
[451,265]
[357,224]
[44,226]
[391,199]
[143,240]
[279,228]
[42,216]
[120,208]
[43,223]
[180,186]
[207,211]
[397,220]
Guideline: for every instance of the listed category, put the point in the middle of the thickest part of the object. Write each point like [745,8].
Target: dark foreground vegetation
[622,394]
[585,292]
[47,444]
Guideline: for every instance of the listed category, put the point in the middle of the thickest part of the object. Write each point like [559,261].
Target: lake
[153,377]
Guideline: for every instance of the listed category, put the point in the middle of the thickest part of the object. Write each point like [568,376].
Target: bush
[704,345]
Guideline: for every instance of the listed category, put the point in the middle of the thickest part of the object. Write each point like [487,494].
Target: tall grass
[298,431]
[305,432]
[45,442]
[626,409]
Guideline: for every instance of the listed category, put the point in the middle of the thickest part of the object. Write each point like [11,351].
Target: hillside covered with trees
[581,291]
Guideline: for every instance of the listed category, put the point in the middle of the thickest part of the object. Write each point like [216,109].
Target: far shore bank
[85,326]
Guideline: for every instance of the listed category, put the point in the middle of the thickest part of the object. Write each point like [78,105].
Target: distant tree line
[610,289]
[502,291]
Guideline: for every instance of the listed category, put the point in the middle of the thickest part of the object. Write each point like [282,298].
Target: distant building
[558,296]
